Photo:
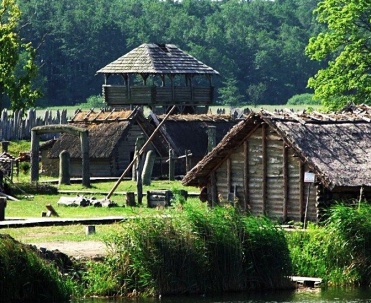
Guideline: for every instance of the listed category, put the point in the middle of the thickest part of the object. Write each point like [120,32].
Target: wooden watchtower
[159,76]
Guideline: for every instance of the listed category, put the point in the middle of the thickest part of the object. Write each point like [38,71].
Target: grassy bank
[190,248]
[25,277]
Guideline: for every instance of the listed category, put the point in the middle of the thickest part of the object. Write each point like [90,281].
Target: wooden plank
[228,173]
[265,167]
[285,181]
[301,190]
[214,193]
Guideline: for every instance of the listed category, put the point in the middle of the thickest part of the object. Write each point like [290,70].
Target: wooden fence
[18,126]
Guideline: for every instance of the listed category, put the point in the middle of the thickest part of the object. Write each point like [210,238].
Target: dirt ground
[84,249]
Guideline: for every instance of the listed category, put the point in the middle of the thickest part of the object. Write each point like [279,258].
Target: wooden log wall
[18,126]
[264,176]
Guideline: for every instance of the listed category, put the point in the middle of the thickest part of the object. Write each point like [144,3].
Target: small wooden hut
[289,166]
[112,138]
[159,76]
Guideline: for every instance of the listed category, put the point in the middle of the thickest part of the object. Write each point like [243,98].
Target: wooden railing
[151,95]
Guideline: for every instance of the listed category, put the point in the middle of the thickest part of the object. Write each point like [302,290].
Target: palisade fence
[18,125]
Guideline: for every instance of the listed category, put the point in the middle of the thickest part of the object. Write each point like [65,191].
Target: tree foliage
[346,44]
[258,43]
[17,65]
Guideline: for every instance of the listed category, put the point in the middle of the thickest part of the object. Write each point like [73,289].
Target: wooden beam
[301,190]
[246,175]
[265,167]
[214,193]
[229,174]
[285,173]
[139,153]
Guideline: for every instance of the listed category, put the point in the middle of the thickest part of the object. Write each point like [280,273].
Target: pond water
[308,296]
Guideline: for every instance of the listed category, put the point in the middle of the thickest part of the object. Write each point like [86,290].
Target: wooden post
[34,156]
[188,164]
[214,193]
[84,139]
[139,142]
[148,167]
[246,174]
[2,208]
[140,152]
[139,180]
[211,137]
[64,168]
[4,146]
[171,165]
[265,167]
[285,173]
[301,190]
[130,199]
[229,174]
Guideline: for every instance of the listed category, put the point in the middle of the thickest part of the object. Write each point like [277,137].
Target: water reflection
[318,296]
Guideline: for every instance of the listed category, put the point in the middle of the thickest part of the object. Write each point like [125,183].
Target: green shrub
[24,167]
[95,102]
[303,99]
[25,277]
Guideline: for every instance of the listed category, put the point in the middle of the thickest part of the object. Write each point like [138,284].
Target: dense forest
[257,46]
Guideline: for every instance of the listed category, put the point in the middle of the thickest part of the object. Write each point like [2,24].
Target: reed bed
[198,250]
[340,251]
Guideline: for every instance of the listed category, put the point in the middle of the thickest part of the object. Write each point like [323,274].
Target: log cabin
[289,166]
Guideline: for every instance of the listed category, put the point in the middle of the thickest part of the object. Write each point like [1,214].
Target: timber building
[112,139]
[263,162]
[159,76]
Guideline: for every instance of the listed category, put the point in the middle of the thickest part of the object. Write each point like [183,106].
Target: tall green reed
[196,250]
[340,250]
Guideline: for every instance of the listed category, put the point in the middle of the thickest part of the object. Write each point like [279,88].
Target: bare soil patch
[83,249]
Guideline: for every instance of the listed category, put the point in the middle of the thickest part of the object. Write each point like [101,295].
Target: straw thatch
[157,59]
[106,130]
[336,146]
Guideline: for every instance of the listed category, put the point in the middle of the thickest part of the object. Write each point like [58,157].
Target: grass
[74,233]
[31,205]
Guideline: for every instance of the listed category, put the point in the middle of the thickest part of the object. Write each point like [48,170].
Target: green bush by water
[340,251]
[196,250]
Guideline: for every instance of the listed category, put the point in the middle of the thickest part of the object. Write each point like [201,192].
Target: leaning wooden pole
[139,153]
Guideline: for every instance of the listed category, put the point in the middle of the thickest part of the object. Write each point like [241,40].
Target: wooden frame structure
[168,76]
[265,159]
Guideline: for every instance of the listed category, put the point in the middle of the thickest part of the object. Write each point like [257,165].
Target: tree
[17,61]
[346,44]
[229,93]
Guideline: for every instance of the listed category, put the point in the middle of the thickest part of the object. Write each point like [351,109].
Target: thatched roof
[101,116]
[336,146]
[157,59]
[106,129]
[189,132]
